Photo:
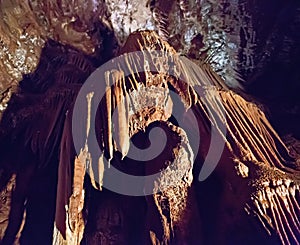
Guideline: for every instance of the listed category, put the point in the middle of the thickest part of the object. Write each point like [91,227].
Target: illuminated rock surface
[251,197]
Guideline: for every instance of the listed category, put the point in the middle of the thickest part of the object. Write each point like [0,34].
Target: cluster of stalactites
[248,131]
[276,205]
[248,134]
[133,102]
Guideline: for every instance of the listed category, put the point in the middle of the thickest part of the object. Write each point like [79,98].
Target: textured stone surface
[256,181]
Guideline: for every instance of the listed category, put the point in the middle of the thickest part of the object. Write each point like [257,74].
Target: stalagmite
[101,171]
[74,220]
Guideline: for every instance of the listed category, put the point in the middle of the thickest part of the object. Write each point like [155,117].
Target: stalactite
[275,210]
[88,120]
[121,126]
[108,121]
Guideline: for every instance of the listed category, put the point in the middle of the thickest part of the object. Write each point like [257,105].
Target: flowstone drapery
[251,196]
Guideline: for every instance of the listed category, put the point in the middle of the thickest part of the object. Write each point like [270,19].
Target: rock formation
[251,195]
